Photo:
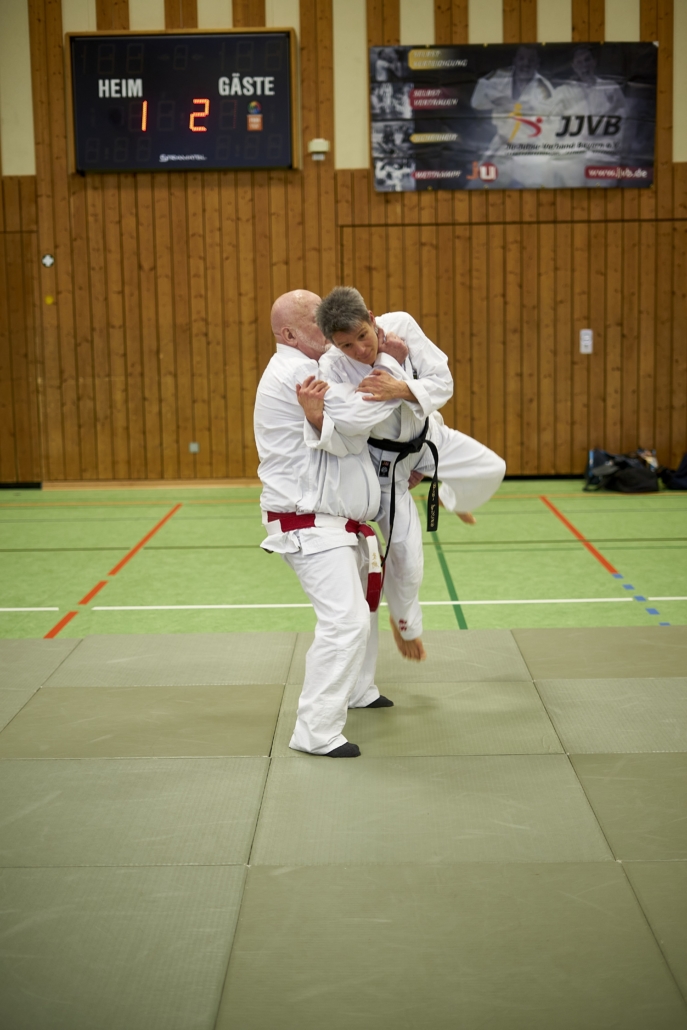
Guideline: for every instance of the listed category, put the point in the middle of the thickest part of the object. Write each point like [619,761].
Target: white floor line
[29,609]
[207,607]
[668,598]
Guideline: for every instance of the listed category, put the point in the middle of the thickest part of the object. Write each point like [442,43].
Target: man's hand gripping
[310,394]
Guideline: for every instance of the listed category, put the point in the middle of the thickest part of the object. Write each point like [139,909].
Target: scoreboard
[182,101]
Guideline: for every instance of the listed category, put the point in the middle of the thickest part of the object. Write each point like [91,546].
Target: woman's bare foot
[410,649]
[466,516]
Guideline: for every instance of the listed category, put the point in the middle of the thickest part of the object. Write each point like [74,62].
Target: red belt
[289,520]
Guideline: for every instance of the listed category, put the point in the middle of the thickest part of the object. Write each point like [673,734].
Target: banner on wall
[555,115]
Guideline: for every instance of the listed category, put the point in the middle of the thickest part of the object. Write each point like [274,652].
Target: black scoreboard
[172,101]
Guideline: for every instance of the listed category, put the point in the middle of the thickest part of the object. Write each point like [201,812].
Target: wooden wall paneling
[362,264]
[27,201]
[678,436]
[165,312]
[648,33]
[215,325]
[395,281]
[647,334]
[513,448]
[451,21]
[180,14]
[83,330]
[679,190]
[512,205]
[383,22]
[112,14]
[378,261]
[116,328]
[664,112]
[597,323]
[198,323]
[150,344]
[520,21]
[597,21]
[248,14]
[462,353]
[412,274]
[630,333]
[547,348]
[295,230]
[248,316]
[461,207]
[344,196]
[614,315]
[98,301]
[265,296]
[546,205]
[361,197]
[30,452]
[496,399]
[11,205]
[231,310]
[495,206]
[346,234]
[580,362]
[182,321]
[8,462]
[446,314]
[132,326]
[479,332]
[278,239]
[531,271]
[664,319]
[563,346]
[478,207]
[429,302]
[325,102]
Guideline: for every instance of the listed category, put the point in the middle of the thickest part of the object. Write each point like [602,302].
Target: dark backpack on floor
[676,479]
[626,473]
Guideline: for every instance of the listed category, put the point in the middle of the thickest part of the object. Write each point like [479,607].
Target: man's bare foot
[467,517]
[410,649]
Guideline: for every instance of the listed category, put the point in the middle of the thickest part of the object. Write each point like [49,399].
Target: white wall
[485,21]
[214,14]
[283,14]
[554,21]
[77,15]
[16,105]
[417,22]
[622,21]
[351,91]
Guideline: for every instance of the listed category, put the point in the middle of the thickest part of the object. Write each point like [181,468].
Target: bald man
[316,501]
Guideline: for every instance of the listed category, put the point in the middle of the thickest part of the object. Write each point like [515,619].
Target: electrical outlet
[194,448]
[586,341]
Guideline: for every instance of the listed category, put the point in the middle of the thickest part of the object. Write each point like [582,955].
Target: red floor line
[575,532]
[91,593]
[144,541]
[60,625]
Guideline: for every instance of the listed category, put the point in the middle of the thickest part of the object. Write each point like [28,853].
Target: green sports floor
[509,853]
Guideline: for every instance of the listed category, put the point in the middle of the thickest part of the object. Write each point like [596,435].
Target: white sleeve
[352,416]
[434,384]
[330,440]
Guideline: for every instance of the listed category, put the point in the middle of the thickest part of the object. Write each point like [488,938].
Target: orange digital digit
[144,116]
[199,114]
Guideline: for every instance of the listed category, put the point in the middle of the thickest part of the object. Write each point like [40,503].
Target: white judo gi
[335,479]
[470,473]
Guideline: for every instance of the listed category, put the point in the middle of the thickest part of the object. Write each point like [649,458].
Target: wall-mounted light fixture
[318,148]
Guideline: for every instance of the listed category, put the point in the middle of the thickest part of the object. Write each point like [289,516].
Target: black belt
[402,450]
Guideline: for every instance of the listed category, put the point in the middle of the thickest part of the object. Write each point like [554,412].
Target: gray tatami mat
[116,949]
[662,891]
[28,663]
[524,808]
[604,652]
[618,715]
[453,656]
[129,722]
[129,812]
[177,659]
[640,801]
[516,947]
[12,701]
[441,719]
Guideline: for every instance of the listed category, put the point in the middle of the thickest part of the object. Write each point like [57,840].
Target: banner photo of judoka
[522,116]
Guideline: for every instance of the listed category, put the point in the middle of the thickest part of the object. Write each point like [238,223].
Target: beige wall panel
[215,14]
[147,14]
[622,21]
[16,106]
[554,21]
[283,14]
[351,100]
[680,82]
[417,22]
[485,21]
[78,16]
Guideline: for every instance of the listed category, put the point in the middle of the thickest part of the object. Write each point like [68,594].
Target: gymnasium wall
[152,327]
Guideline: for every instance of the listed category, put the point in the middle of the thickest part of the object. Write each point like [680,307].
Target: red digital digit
[144,116]
[199,114]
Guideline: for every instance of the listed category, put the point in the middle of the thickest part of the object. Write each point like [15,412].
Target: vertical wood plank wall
[163,284]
